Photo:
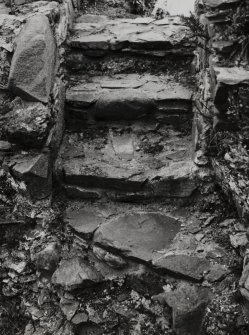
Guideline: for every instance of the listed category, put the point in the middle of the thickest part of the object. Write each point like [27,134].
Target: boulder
[32,67]
[28,124]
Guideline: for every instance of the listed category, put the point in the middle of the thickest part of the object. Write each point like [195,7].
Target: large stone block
[32,67]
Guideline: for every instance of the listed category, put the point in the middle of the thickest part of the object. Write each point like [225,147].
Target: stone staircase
[128,134]
[126,167]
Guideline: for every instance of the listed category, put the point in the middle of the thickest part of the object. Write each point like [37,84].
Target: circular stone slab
[139,236]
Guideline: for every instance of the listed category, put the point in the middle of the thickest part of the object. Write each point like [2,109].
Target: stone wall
[32,92]
[222,104]
[221,111]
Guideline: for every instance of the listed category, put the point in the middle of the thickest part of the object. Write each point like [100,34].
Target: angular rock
[48,258]
[138,236]
[84,222]
[217,272]
[32,67]
[239,240]
[28,124]
[188,303]
[223,47]
[183,265]
[36,172]
[231,75]
[75,274]
[5,146]
[80,318]
[69,307]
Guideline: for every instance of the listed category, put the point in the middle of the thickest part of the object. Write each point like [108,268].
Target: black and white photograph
[124,167]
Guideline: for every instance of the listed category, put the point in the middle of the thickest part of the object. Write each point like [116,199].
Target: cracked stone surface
[129,159]
[128,96]
[75,273]
[167,35]
[139,235]
[184,265]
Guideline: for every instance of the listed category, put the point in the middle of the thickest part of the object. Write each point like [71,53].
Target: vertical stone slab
[32,68]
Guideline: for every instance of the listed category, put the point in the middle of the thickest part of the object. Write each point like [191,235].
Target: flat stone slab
[133,34]
[220,3]
[129,160]
[231,75]
[183,265]
[138,236]
[128,96]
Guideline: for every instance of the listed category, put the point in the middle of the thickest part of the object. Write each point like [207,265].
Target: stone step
[98,35]
[127,97]
[128,162]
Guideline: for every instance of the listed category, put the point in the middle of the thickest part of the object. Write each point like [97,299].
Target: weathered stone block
[188,303]
[32,67]
[36,173]
[28,124]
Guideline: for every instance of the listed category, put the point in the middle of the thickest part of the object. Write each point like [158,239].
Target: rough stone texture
[220,3]
[56,133]
[167,35]
[48,258]
[128,97]
[28,124]
[188,303]
[75,274]
[84,222]
[139,235]
[69,307]
[35,172]
[10,26]
[67,16]
[32,67]
[112,260]
[130,160]
[183,265]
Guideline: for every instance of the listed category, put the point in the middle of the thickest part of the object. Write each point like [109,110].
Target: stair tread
[128,96]
[126,159]
[155,87]
[93,33]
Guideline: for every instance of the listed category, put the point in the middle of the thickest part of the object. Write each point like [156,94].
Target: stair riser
[78,59]
[166,188]
[77,121]
[174,113]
